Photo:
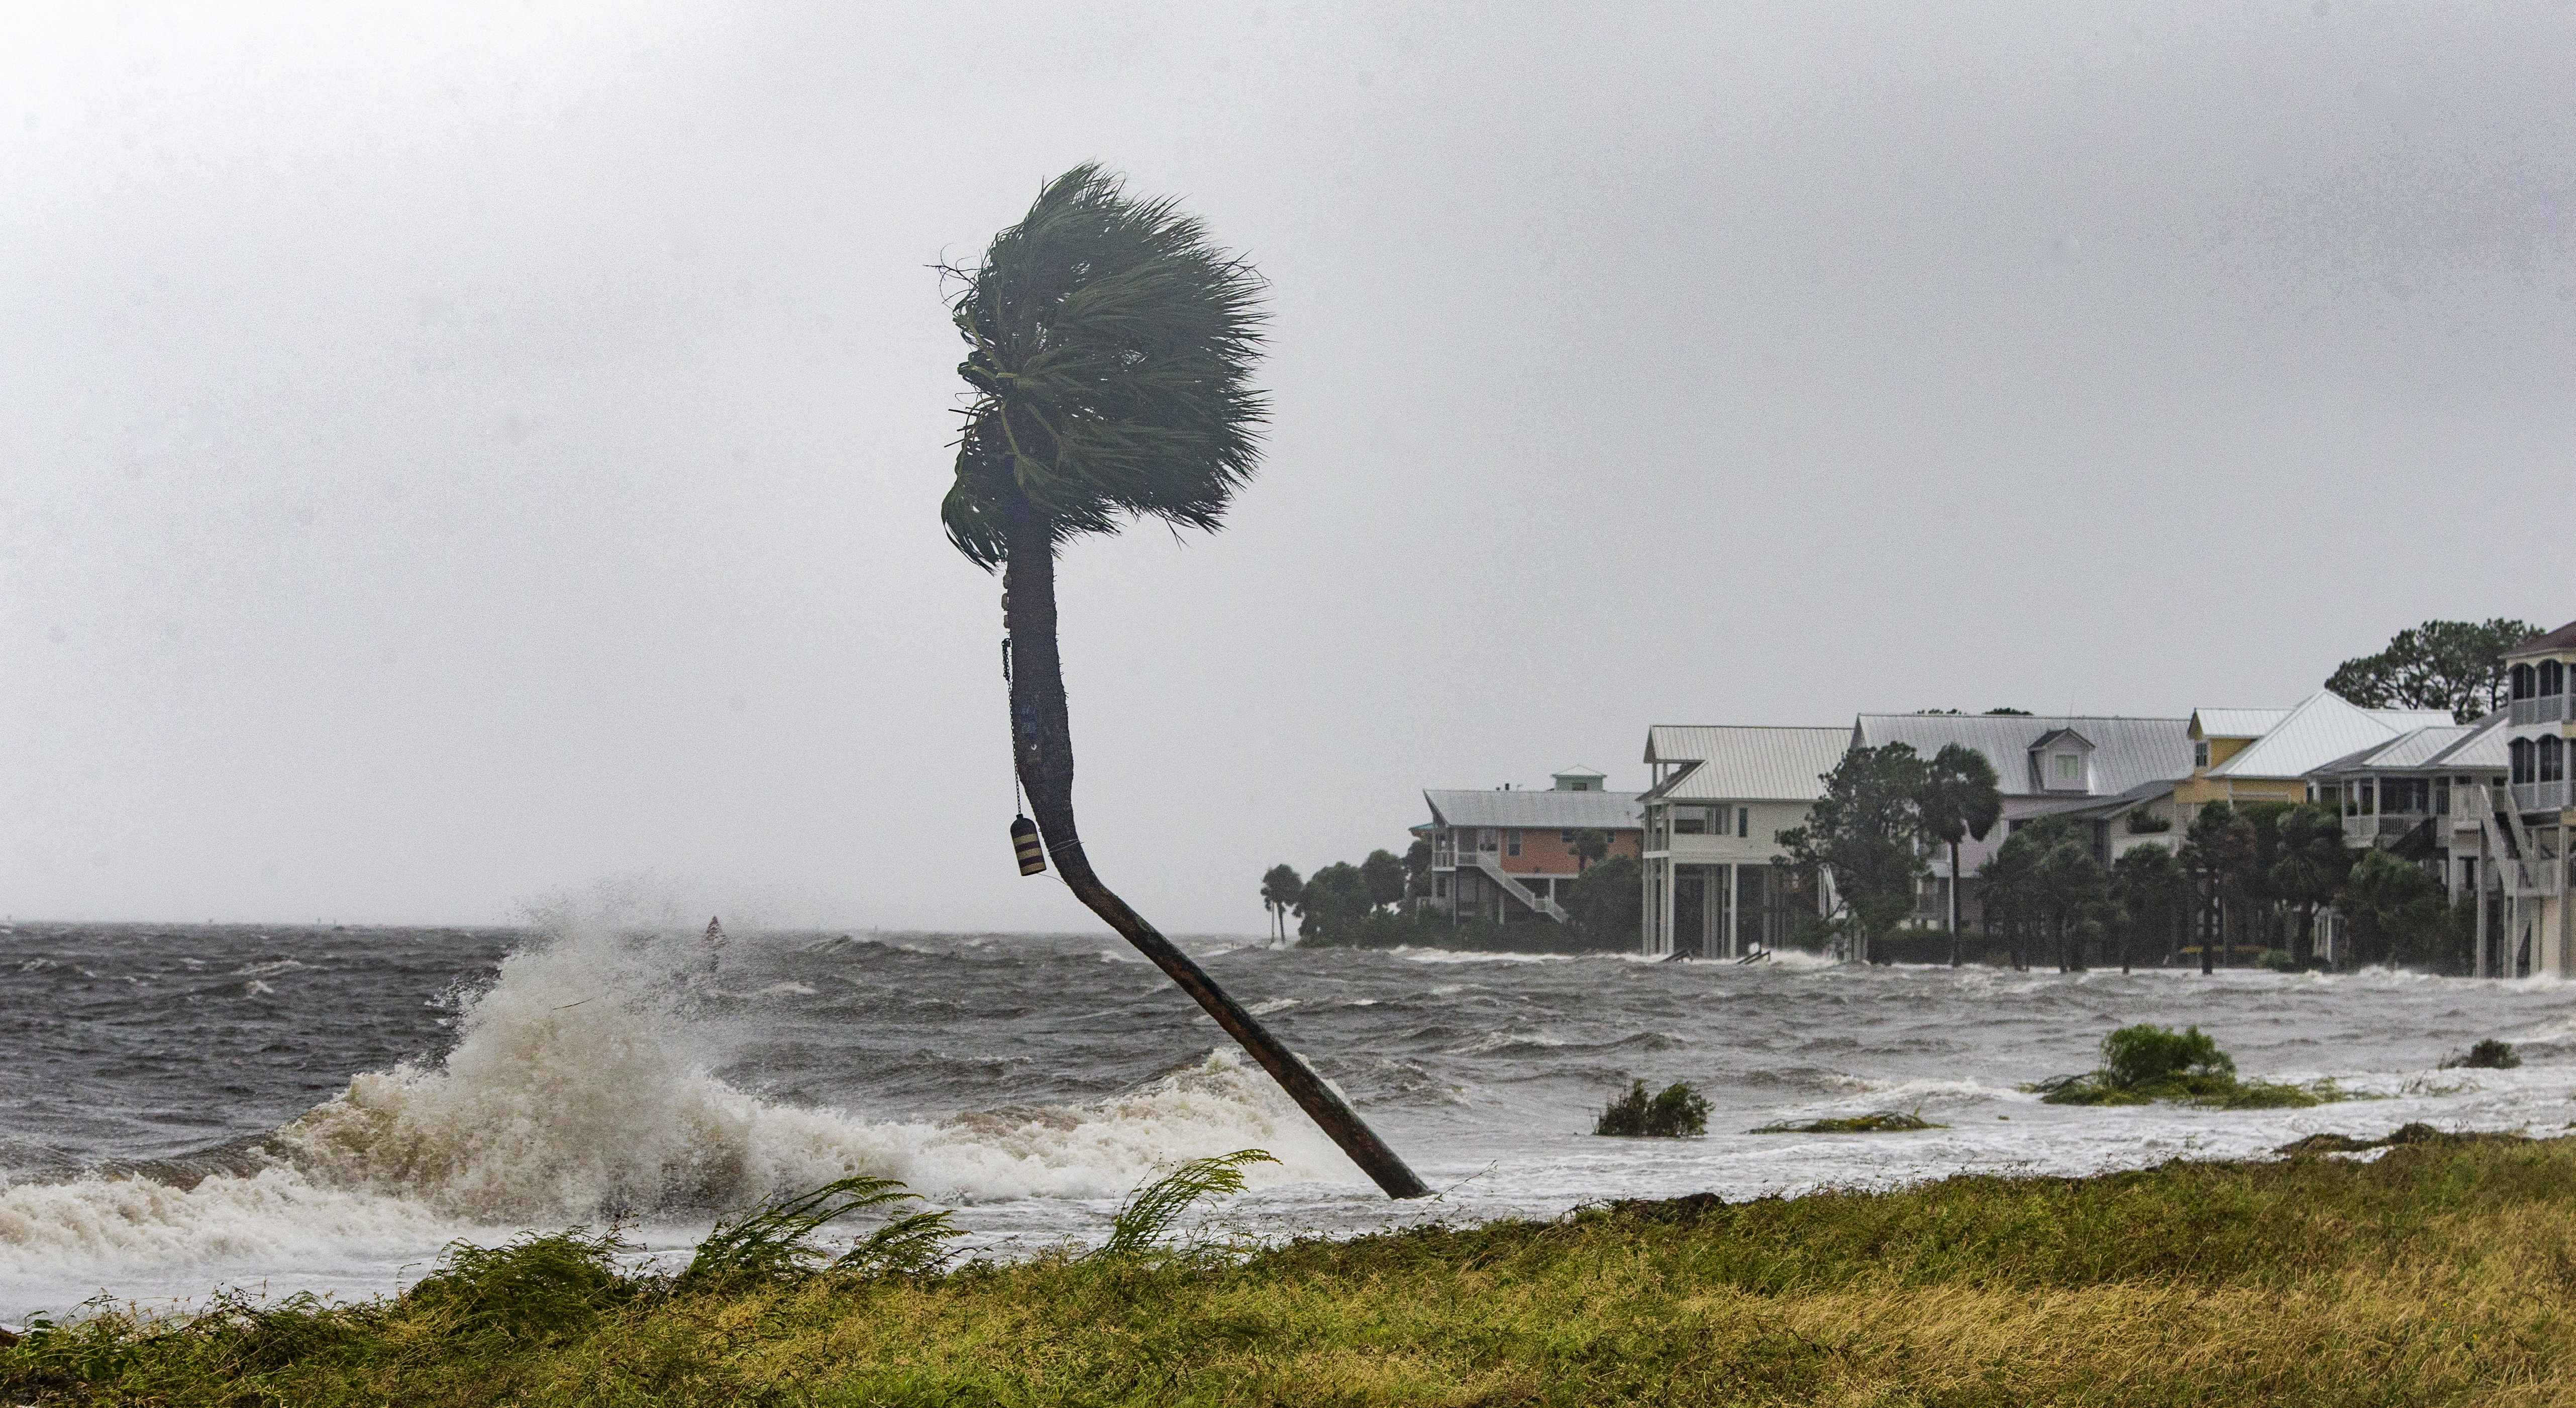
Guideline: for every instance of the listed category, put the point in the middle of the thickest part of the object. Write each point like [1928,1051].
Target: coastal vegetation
[1675,1112]
[2146,1063]
[1876,1122]
[2488,1054]
[2432,1275]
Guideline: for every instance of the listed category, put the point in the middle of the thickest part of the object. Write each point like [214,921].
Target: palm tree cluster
[2250,880]
[2043,892]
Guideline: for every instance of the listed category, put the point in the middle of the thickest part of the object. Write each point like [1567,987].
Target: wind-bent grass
[774,1241]
[2444,1272]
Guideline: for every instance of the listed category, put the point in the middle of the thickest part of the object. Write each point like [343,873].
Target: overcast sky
[455,459]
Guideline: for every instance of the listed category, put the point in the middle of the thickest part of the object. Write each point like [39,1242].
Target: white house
[1721,793]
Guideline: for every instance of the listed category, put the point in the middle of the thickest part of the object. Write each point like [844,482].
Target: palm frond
[1110,348]
[1150,1211]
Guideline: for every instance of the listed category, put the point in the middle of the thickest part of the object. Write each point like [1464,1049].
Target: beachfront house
[2537,817]
[1508,855]
[2265,755]
[1720,795]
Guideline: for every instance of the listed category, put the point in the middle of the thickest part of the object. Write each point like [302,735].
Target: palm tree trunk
[1954,904]
[1042,737]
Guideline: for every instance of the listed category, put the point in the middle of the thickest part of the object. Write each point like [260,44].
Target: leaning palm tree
[1110,347]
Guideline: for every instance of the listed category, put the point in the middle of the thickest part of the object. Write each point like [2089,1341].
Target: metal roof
[2486,748]
[2435,749]
[2321,729]
[2126,752]
[1536,809]
[2238,723]
[2104,808]
[1745,762]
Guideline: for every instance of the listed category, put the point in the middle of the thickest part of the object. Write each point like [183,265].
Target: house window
[2441,796]
[2200,755]
[1512,847]
[1566,836]
[2070,768]
[1690,821]
[1440,887]
[1743,821]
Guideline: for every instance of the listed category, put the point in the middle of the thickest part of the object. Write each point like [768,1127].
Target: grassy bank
[2441,1273]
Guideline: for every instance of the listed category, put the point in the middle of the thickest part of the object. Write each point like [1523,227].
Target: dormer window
[2200,754]
[2061,760]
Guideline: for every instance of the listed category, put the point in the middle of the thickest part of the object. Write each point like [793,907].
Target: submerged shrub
[1151,1210]
[2146,1062]
[533,1285]
[774,1242]
[2138,1056]
[1676,1112]
[2488,1055]
[1878,1122]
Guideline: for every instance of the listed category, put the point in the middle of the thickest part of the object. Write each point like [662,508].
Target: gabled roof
[2322,728]
[1536,809]
[2564,638]
[2126,752]
[2484,749]
[2058,735]
[1578,770]
[1744,762]
[2237,723]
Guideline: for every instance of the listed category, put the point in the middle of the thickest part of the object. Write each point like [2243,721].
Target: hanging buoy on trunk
[1024,839]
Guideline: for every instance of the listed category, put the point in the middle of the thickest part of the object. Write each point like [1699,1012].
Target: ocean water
[288,1109]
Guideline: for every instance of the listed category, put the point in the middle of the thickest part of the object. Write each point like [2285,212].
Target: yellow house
[2264,755]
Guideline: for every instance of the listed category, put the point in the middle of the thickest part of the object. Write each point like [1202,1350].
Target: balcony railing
[2541,796]
[2544,709]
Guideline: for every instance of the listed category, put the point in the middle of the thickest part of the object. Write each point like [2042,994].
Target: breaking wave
[576,1091]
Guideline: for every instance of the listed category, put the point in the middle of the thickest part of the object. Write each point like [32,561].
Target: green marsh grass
[2443,1272]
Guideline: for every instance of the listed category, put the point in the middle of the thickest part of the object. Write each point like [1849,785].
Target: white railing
[2541,796]
[2537,875]
[2545,709]
[1492,865]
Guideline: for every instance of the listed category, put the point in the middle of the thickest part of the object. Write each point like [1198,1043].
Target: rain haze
[459,455]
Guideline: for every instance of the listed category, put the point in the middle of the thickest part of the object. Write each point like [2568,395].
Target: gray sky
[453,459]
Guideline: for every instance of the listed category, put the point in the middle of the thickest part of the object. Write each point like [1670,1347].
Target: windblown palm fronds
[1111,349]
[1150,1211]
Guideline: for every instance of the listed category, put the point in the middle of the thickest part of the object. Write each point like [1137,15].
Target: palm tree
[1280,891]
[1590,845]
[1960,799]
[1110,347]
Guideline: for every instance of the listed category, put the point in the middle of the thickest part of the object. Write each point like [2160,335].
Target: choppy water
[182,1107]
